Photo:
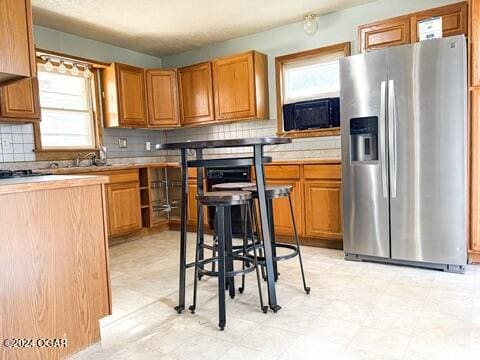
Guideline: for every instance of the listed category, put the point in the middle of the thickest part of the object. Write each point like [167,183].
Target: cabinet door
[454,19]
[281,209]
[475,172]
[323,209]
[131,95]
[475,42]
[162,97]
[192,213]
[234,87]
[19,100]
[196,94]
[385,33]
[17,57]
[123,203]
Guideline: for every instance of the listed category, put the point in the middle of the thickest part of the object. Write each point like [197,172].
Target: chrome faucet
[79,159]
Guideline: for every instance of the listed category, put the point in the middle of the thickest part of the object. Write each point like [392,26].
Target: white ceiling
[163,27]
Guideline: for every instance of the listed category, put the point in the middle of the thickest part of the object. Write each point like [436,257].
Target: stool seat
[271,191]
[232,186]
[213,198]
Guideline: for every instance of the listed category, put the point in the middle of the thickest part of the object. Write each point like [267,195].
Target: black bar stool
[273,192]
[223,201]
[238,186]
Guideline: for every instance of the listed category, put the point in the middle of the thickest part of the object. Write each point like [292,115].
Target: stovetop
[8,174]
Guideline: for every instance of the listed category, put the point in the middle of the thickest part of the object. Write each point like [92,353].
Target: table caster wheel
[275,308]
[265,309]
[192,309]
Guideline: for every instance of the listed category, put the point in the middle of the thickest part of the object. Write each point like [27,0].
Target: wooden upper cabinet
[475,42]
[162,98]
[17,55]
[382,34]
[124,96]
[454,19]
[240,86]
[404,29]
[19,101]
[196,94]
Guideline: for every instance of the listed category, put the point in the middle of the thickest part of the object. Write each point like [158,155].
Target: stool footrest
[235,257]
[261,259]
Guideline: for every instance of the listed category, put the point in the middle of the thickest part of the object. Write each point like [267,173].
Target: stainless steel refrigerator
[404,158]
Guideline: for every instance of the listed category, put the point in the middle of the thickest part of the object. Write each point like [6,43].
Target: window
[67,115]
[311,79]
[308,75]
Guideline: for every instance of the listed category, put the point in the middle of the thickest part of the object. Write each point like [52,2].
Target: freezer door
[363,80]
[427,109]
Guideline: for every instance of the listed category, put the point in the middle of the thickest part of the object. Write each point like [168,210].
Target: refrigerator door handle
[383,145]
[392,137]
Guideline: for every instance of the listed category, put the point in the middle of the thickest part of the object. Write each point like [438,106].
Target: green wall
[49,39]
[334,28]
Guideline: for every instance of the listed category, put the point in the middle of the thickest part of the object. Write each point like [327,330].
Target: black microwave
[312,114]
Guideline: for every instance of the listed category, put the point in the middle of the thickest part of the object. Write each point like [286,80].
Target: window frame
[280,62]
[70,153]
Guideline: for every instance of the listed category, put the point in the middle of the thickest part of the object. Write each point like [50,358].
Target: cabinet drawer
[331,171]
[120,176]
[282,172]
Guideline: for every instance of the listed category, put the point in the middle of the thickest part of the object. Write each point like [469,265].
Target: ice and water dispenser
[364,139]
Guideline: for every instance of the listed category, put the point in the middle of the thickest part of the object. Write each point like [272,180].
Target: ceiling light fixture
[310,25]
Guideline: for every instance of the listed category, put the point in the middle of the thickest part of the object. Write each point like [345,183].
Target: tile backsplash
[17,142]
[136,139]
[327,147]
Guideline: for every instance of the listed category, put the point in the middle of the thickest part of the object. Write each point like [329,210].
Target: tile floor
[355,311]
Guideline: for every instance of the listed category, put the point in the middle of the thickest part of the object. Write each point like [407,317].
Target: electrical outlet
[122,143]
[6,144]
[147,145]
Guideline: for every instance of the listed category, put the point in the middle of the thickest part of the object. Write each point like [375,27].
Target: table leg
[271,224]
[200,227]
[183,233]
[228,251]
[262,202]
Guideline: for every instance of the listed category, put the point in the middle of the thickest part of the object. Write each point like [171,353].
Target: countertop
[92,169]
[49,182]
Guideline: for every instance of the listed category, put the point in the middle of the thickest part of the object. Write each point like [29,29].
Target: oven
[223,175]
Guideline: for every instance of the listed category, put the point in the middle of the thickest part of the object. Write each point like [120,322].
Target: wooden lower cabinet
[323,209]
[123,203]
[281,209]
[192,214]
[316,199]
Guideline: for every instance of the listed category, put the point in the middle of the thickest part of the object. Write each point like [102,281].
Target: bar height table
[257,161]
